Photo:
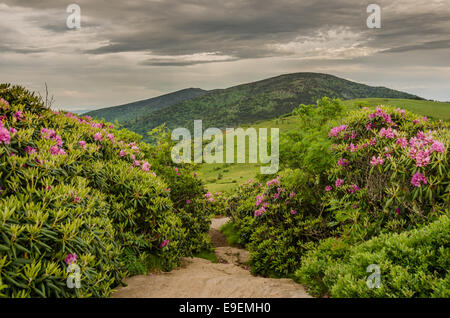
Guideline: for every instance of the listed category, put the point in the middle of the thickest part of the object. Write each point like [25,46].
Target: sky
[131,50]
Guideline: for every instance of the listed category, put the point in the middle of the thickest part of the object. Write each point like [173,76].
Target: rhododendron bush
[77,191]
[392,172]
[347,180]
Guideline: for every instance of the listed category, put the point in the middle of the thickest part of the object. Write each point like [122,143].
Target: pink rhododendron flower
[82,143]
[417,179]
[136,163]
[273,181]
[388,133]
[188,201]
[260,211]
[47,133]
[403,142]
[164,243]
[343,162]
[19,115]
[98,136]
[146,166]
[71,258]
[376,161]
[373,142]
[29,150]
[13,131]
[353,148]
[58,139]
[328,188]
[110,137]
[339,182]
[293,212]
[438,146]
[397,211]
[354,188]
[292,194]
[122,153]
[336,130]
[54,150]
[4,135]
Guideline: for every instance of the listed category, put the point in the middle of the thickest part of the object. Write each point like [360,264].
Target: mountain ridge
[253,101]
[119,112]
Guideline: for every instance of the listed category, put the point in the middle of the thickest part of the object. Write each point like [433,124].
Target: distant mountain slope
[255,101]
[145,107]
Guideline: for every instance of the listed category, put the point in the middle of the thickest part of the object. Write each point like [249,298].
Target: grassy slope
[130,111]
[234,174]
[433,110]
[251,102]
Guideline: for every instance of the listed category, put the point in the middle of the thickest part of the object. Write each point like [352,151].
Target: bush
[414,263]
[391,174]
[73,190]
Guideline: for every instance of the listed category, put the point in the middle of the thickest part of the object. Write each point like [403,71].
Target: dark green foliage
[414,263]
[98,199]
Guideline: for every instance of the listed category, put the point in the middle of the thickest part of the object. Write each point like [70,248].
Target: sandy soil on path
[198,277]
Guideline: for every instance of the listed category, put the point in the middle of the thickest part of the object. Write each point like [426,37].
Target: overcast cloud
[137,49]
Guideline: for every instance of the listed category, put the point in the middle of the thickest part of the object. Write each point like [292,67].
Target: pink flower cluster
[417,179]
[4,103]
[30,150]
[376,161]
[339,182]
[55,150]
[273,181]
[82,144]
[260,211]
[380,113]
[209,196]
[336,130]
[164,243]
[354,188]
[5,137]
[71,258]
[19,115]
[422,146]
[388,133]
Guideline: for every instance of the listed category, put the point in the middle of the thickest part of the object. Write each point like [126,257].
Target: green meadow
[220,177]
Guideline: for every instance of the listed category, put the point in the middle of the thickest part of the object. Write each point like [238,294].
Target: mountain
[251,102]
[144,107]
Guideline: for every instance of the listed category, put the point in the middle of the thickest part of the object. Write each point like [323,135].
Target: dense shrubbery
[414,263]
[391,174]
[71,185]
[377,171]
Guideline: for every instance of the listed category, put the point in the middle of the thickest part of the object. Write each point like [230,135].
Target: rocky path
[198,277]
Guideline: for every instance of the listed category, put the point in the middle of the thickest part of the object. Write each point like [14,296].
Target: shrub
[414,263]
[391,172]
[76,190]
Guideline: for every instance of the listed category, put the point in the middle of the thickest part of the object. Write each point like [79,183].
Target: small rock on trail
[198,277]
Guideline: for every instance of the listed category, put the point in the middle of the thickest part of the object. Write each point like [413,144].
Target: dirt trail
[200,278]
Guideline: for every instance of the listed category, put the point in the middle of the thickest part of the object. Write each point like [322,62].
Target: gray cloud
[127,50]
